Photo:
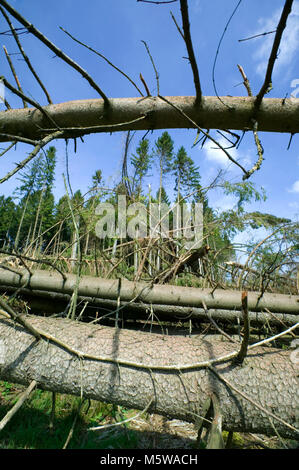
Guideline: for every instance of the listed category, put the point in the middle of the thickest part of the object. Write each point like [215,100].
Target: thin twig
[177,26]
[258,143]
[102,128]
[205,133]
[222,332]
[105,426]
[40,261]
[154,67]
[8,148]
[19,318]
[246,81]
[54,48]
[23,397]
[257,36]
[17,138]
[38,147]
[246,397]
[103,57]
[71,432]
[15,75]
[145,85]
[218,49]
[29,100]
[26,58]
[260,151]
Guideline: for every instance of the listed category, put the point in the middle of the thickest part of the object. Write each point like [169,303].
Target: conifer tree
[141,163]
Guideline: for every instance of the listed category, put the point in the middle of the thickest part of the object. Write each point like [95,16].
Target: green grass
[30,426]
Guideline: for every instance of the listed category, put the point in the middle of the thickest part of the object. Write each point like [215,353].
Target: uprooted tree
[231,384]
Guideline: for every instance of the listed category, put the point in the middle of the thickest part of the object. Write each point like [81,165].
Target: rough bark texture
[268,376]
[275,115]
[157,294]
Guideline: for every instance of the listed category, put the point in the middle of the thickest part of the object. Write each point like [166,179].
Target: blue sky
[116,28]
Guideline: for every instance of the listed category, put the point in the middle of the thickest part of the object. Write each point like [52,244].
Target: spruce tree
[141,163]
[36,204]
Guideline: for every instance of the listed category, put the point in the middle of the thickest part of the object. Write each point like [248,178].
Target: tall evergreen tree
[163,151]
[187,177]
[8,220]
[141,163]
[36,198]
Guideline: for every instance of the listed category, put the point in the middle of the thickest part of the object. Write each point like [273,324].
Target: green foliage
[245,192]
[163,151]
[29,428]
[8,214]
[35,212]
[141,163]
[187,177]
[257,219]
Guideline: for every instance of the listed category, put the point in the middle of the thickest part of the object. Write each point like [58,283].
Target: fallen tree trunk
[91,116]
[53,302]
[124,290]
[173,373]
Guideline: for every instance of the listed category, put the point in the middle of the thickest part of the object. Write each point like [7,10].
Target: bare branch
[29,100]
[218,48]
[38,147]
[18,405]
[267,85]
[8,148]
[257,36]
[177,26]
[103,57]
[26,58]
[145,84]
[188,41]
[15,75]
[153,64]
[258,143]
[54,48]
[17,138]
[206,134]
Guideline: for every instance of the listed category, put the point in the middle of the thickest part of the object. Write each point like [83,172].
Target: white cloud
[295,187]
[289,44]
[215,154]
[225,203]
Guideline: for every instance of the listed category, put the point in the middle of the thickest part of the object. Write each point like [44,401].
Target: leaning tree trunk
[173,373]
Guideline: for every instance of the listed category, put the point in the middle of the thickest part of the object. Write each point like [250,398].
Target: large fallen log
[46,302]
[124,290]
[91,116]
[174,374]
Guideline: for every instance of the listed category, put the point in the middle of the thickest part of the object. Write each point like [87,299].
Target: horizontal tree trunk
[135,368]
[53,302]
[124,290]
[90,116]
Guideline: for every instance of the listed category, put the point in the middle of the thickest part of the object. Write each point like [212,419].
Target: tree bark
[133,368]
[122,114]
[45,302]
[157,294]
